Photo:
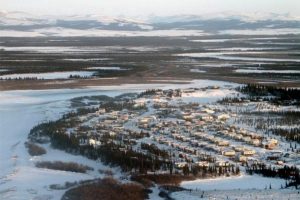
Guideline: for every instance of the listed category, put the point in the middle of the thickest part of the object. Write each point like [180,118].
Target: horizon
[145,8]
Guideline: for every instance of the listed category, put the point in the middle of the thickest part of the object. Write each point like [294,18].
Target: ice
[232,56]
[108,68]
[233,39]
[50,75]
[197,71]
[266,31]
[66,32]
[87,59]
[258,71]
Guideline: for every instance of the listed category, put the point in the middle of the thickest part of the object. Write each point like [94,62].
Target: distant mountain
[25,21]
[225,21]
[20,23]
[223,16]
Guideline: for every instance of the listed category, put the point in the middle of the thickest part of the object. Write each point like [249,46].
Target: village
[163,125]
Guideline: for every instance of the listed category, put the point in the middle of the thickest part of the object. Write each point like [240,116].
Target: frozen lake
[50,75]
[258,71]
[108,68]
[233,56]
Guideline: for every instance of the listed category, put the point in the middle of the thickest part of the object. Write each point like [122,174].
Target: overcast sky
[148,7]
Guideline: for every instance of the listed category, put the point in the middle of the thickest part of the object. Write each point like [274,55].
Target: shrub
[35,150]
[64,166]
[107,189]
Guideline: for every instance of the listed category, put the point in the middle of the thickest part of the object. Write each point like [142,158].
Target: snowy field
[247,71]
[108,68]
[67,32]
[238,195]
[50,75]
[230,183]
[232,56]
[244,187]
[265,31]
[197,71]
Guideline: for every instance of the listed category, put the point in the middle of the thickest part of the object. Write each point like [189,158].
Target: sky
[150,7]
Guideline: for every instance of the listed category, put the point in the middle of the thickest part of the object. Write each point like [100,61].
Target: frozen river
[19,112]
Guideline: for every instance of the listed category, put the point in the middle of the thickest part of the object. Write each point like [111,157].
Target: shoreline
[11,85]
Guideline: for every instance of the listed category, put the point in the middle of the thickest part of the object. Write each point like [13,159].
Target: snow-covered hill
[25,24]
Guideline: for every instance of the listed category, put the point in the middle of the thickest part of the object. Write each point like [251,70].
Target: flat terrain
[123,60]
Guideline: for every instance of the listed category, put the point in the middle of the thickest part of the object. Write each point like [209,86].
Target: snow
[233,39]
[87,59]
[209,95]
[267,71]
[60,49]
[19,112]
[237,194]
[50,75]
[273,31]
[155,193]
[211,40]
[108,68]
[226,56]
[197,71]
[247,48]
[230,183]
[67,32]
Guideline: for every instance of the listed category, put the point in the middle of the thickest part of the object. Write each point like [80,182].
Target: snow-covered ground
[231,183]
[20,179]
[234,55]
[249,194]
[247,71]
[197,71]
[108,68]
[21,110]
[243,187]
[67,32]
[49,75]
[265,31]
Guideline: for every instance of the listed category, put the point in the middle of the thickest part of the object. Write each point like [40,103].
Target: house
[248,152]
[101,111]
[247,139]
[209,111]
[94,143]
[203,164]
[206,117]
[239,148]
[270,144]
[241,158]
[256,142]
[139,104]
[147,120]
[222,116]
[180,164]
[222,163]
[228,153]
[222,143]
